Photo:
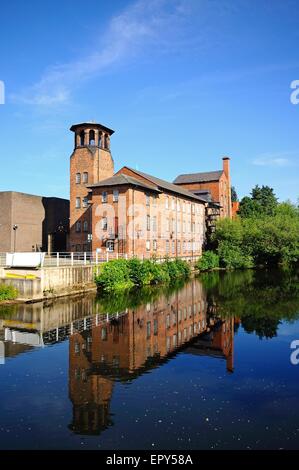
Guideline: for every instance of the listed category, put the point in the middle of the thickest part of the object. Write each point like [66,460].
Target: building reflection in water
[137,341]
[119,347]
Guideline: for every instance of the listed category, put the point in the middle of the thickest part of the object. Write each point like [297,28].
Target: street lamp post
[15,228]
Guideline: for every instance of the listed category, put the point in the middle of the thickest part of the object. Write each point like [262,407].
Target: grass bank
[121,274]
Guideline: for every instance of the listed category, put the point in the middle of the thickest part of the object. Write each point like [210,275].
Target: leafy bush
[183,267]
[114,275]
[124,274]
[209,260]
[8,292]
[159,273]
[176,268]
[139,272]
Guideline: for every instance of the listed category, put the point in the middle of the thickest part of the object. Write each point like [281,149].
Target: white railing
[93,258]
[2,259]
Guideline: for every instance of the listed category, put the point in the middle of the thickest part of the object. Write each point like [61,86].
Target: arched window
[78,178]
[92,137]
[82,138]
[85,177]
[105,141]
[100,140]
[85,226]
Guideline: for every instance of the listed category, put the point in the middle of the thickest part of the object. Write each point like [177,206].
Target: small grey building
[33,223]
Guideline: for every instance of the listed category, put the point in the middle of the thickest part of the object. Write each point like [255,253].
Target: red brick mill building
[136,214]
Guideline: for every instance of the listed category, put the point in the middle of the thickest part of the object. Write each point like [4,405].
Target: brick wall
[98,164]
[155,228]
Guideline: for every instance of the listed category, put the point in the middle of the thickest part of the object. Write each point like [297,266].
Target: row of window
[177,226]
[79,226]
[100,140]
[175,204]
[176,246]
[171,226]
[193,309]
[184,206]
[82,178]
[114,198]
[174,322]
[80,204]
[177,338]
[196,327]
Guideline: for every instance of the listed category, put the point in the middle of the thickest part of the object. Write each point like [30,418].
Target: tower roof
[93,125]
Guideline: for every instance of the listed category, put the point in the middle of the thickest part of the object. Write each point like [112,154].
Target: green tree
[262,240]
[262,202]
[234,195]
[266,199]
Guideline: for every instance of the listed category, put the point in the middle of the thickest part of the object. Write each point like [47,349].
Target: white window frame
[110,246]
[104,223]
[115,195]
[78,178]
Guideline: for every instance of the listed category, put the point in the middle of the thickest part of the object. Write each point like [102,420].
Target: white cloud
[154,23]
[282,159]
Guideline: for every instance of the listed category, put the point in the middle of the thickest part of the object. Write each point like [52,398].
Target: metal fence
[92,258]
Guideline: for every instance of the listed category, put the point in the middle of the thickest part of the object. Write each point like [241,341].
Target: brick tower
[91,161]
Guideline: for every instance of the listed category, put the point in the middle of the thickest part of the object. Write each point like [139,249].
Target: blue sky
[182,83]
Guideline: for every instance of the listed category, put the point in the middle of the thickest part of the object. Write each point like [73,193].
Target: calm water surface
[203,365]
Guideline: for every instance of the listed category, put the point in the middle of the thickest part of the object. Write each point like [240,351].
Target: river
[203,364]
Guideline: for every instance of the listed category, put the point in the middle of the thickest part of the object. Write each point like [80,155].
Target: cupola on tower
[91,162]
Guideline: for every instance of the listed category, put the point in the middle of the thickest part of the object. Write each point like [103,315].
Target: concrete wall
[5,221]
[29,289]
[51,282]
[66,280]
[35,216]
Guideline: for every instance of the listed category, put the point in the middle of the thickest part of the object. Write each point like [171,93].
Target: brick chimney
[226,170]
[226,161]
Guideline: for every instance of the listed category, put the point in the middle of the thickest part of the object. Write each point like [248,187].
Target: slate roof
[198,177]
[165,185]
[121,179]
[203,193]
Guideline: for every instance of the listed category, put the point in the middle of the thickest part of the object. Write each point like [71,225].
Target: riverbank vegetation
[7,293]
[259,300]
[137,296]
[265,233]
[121,274]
